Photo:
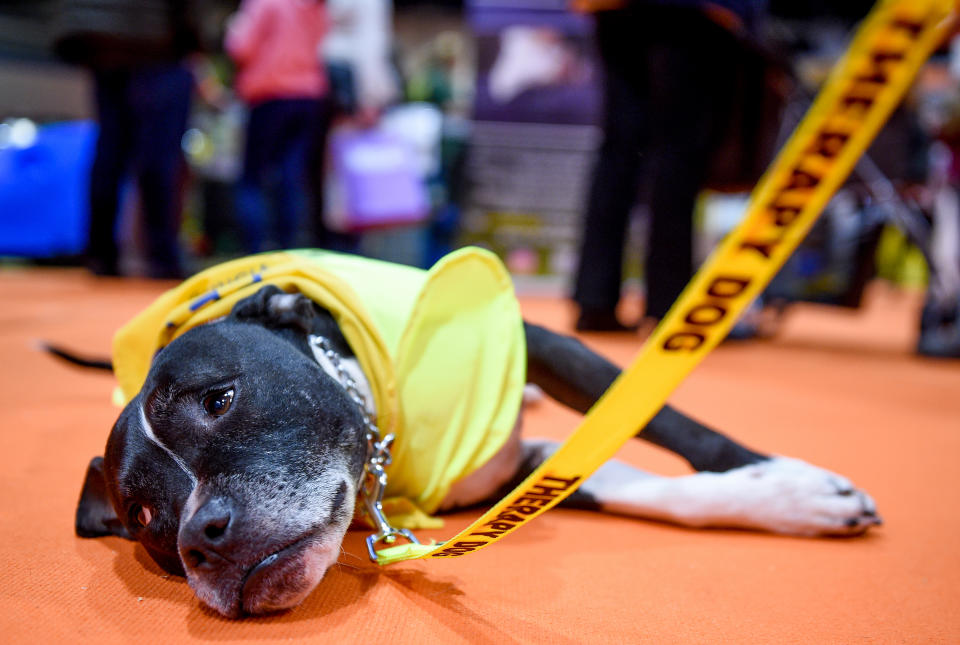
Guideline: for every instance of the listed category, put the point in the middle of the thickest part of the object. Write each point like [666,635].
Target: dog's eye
[218,403]
[142,515]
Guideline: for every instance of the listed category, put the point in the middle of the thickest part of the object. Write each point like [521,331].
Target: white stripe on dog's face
[149,434]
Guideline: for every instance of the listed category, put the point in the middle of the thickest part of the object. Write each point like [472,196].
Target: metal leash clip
[371,491]
[373,480]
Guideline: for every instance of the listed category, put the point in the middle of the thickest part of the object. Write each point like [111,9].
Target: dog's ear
[272,307]
[95,514]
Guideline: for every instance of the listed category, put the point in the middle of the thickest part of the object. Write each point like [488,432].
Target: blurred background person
[275,45]
[357,52]
[940,318]
[667,68]
[142,88]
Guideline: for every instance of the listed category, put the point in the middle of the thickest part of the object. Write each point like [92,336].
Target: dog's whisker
[347,566]
[351,555]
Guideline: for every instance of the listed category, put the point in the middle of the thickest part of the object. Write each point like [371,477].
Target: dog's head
[237,462]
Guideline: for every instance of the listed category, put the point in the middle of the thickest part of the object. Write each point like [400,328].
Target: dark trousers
[142,116]
[275,190]
[340,103]
[667,96]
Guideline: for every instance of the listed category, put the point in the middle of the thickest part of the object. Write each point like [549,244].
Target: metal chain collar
[373,478]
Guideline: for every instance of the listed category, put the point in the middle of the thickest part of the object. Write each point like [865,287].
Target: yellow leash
[863,89]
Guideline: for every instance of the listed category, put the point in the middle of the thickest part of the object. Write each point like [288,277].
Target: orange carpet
[839,389]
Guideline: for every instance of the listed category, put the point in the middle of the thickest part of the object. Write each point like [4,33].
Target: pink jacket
[275,44]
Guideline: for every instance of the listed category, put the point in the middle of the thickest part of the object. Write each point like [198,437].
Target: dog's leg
[737,487]
[778,495]
[577,377]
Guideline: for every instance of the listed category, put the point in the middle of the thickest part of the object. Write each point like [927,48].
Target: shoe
[104,267]
[166,273]
[940,343]
[601,320]
[939,332]
[747,326]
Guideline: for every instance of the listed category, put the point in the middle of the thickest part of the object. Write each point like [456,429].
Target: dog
[239,457]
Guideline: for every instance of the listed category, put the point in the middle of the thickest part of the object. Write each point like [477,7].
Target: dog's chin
[284,579]
[280,581]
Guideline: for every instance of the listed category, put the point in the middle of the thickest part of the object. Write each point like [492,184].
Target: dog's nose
[204,534]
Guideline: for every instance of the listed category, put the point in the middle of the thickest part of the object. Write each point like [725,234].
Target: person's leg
[316,166]
[109,166]
[161,96]
[689,98]
[329,108]
[300,121]
[615,179]
[940,318]
[251,207]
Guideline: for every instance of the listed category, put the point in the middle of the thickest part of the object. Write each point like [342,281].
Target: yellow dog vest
[443,349]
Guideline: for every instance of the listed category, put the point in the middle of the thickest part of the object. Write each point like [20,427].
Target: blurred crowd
[296,66]
[285,109]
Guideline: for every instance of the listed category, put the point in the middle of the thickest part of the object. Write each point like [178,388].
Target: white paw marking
[790,496]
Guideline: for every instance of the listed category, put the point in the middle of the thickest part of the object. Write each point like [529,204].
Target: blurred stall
[535,108]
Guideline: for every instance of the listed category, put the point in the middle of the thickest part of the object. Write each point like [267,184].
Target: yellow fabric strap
[864,87]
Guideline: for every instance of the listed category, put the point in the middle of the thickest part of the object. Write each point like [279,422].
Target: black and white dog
[237,463]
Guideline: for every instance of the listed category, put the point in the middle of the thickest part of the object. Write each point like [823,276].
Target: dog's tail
[76,359]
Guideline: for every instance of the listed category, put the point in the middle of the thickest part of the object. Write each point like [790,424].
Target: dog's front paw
[790,496]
